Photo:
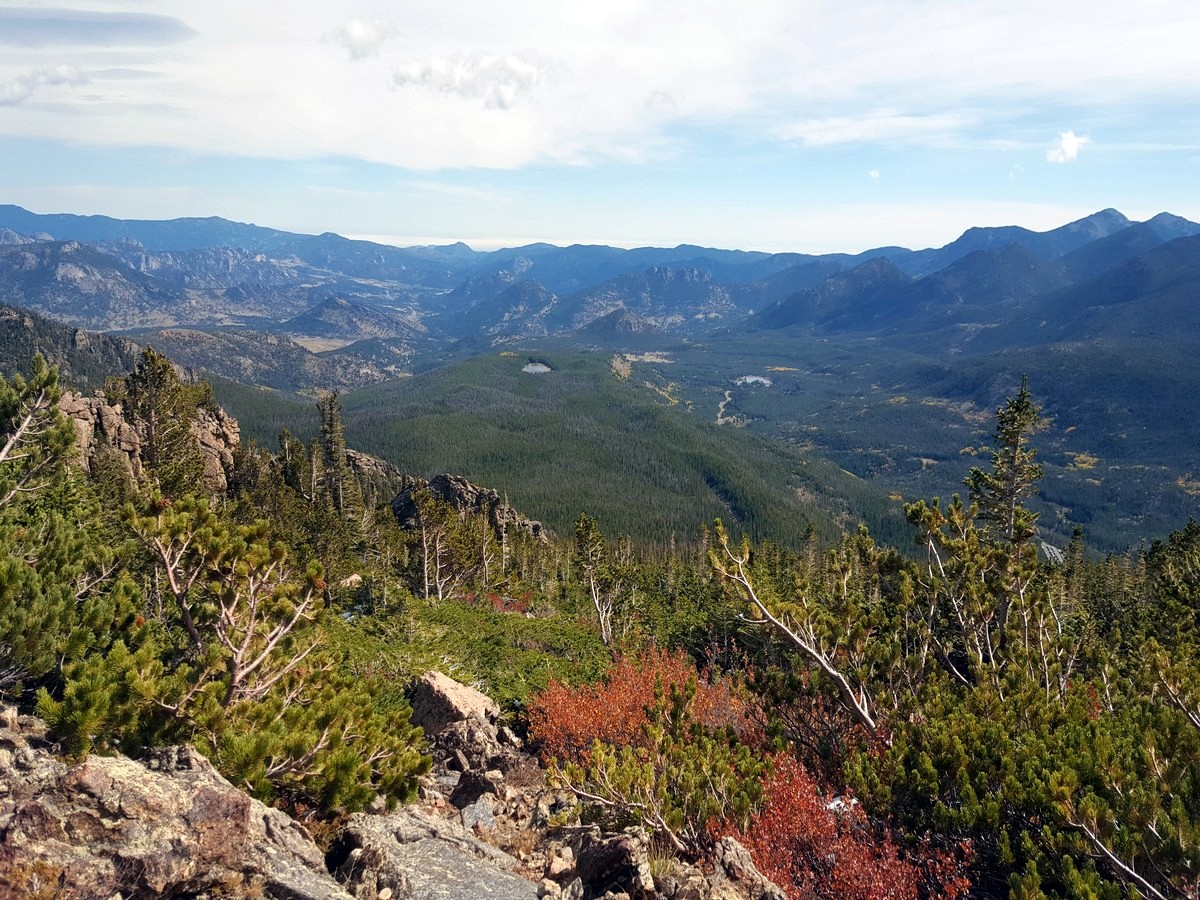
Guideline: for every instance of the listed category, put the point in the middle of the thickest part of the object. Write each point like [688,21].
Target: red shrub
[814,848]
[565,721]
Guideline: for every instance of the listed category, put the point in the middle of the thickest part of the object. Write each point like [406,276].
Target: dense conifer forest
[949,713]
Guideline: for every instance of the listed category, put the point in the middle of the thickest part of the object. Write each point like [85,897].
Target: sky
[800,125]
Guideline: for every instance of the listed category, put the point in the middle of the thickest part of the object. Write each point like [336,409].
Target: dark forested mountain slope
[865,290]
[84,359]
[1106,253]
[755,295]
[1155,295]
[579,437]
[624,329]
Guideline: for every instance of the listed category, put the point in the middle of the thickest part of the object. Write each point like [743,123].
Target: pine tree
[1000,494]
[599,573]
[35,437]
[1002,491]
[338,481]
[36,562]
[162,409]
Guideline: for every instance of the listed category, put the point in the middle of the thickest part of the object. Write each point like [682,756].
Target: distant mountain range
[112,274]
[889,362]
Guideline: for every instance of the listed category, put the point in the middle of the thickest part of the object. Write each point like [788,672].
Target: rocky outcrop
[439,701]
[737,878]
[413,855]
[101,428]
[219,437]
[466,498]
[374,474]
[488,826]
[112,827]
[614,863]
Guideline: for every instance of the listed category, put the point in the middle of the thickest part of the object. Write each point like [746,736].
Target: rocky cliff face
[101,427]
[466,498]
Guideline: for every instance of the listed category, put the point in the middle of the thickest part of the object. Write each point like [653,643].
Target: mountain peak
[1101,224]
[1168,226]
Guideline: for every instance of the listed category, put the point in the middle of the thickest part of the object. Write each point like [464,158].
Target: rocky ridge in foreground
[486,826]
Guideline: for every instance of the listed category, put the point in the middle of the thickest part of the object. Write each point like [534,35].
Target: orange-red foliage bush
[565,721]
[814,851]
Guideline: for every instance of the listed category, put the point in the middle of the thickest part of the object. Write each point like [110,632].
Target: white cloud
[360,38]
[26,85]
[874,127]
[633,80]
[498,81]
[874,173]
[1067,150]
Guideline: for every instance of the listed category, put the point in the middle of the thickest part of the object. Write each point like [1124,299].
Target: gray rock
[617,863]
[111,826]
[736,875]
[472,785]
[683,882]
[465,497]
[421,857]
[478,815]
[100,427]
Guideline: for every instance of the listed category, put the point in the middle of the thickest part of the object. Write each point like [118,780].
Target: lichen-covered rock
[737,878]
[421,857]
[100,427]
[219,436]
[376,475]
[683,882]
[110,826]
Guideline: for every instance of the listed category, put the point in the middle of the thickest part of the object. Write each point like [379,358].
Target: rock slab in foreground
[111,827]
[417,856]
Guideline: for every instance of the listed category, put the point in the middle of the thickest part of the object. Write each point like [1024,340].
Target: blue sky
[794,125]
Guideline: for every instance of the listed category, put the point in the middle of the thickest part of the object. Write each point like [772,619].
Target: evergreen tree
[35,436]
[41,554]
[162,409]
[338,482]
[603,578]
[1001,492]
[296,465]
